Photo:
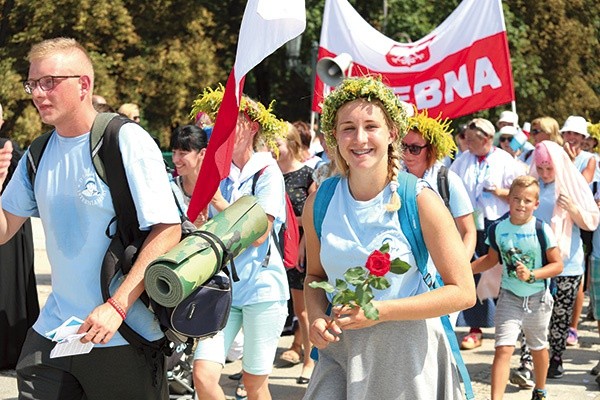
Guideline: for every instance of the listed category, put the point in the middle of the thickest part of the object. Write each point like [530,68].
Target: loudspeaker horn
[333,70]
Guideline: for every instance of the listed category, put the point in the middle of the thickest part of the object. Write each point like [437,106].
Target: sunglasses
[505,139]
[536,131]
[413,149]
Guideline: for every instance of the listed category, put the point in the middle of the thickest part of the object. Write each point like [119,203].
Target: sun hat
[508,130]
[509,117]
[576,124]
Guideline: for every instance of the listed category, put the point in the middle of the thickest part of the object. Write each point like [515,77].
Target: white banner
[461,67]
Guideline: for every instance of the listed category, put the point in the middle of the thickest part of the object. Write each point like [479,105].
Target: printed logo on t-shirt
[90,191]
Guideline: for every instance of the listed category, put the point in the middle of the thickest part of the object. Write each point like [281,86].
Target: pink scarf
[568,181]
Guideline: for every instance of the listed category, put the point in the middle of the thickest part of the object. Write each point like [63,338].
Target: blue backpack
[410,224]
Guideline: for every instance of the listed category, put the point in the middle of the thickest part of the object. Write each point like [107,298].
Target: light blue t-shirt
[352,230]
[572,262]
[582,159]
[460,203]
[75,207]
[262,279]
[520,242]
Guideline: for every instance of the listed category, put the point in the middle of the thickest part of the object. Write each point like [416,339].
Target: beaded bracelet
[117,307]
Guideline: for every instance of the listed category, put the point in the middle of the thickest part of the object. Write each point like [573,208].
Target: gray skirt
[391,360]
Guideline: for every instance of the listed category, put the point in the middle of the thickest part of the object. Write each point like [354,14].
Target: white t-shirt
[498,169]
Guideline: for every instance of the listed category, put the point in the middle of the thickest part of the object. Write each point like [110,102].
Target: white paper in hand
[68,341]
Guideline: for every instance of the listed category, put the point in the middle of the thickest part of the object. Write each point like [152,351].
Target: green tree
[161,54]
[161,66]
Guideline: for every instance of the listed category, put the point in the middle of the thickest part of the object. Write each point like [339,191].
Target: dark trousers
[121,372]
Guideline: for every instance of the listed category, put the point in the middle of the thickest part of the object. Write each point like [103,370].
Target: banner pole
[513,105]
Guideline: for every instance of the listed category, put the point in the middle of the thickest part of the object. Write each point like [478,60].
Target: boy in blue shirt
[524,301]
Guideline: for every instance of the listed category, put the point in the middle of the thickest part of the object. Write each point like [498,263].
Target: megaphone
[333,70]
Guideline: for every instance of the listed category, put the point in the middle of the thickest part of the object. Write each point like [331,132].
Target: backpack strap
[539,231]
[34,155]
[410,223]
[278,242]
[97,138]
[322,200]
[444,185]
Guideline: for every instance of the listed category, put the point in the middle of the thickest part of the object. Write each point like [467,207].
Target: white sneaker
[522,378]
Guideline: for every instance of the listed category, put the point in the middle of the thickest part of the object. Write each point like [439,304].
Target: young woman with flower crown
[260,296]
[404,354]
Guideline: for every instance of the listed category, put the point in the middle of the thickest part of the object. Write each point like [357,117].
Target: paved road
[577,384]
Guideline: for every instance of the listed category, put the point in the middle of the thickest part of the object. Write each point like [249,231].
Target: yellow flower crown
[435,131]
[367,88]
[594,131]
[271,127]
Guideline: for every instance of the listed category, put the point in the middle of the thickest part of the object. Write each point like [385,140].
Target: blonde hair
[525,181]
[550,126]
[129,110]
[294,142]
[63,45]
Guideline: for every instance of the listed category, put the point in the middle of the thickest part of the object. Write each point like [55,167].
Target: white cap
[576,124]
[508,130]
[509,117]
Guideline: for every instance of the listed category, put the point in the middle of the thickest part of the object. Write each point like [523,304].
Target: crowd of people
[490,198]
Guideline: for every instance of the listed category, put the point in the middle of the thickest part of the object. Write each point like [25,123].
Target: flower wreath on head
[435,131]
[594,131]
[271,127]
[368,88]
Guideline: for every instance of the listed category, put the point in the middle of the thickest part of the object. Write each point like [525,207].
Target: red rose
[378,263]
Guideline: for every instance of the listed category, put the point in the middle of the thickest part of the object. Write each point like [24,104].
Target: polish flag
[461,67]
[266,26]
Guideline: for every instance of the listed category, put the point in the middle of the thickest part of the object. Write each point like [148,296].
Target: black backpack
[128,238]
[178,322]
[444,185]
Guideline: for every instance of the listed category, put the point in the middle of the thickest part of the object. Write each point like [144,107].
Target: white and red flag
[461,67]
[266,26]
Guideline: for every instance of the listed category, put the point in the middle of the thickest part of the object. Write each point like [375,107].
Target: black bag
[203,313]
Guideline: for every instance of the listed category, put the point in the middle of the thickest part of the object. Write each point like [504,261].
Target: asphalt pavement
[577,383]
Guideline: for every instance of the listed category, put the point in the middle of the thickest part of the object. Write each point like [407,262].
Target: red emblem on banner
[407,55]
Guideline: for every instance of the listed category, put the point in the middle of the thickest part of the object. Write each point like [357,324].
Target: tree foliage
[160,54]
[155,54]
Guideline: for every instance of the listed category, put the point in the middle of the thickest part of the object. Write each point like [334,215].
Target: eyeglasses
[413,149]
[45,83]
[473,126]
[505,139]
[536,131]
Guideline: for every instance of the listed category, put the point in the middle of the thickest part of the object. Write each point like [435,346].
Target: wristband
[531,278]
[117,308]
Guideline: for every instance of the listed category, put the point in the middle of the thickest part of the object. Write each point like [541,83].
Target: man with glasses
[61,82]
[487,172]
